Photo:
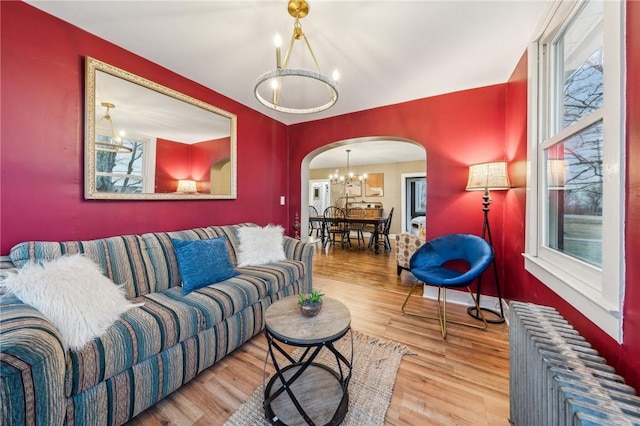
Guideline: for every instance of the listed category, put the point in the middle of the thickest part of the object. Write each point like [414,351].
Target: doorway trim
[403,196]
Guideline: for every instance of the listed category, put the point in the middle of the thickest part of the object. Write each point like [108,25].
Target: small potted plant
[310,304]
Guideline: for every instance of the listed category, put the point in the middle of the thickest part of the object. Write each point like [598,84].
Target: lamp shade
[492,175]
[187,186]
[555,173]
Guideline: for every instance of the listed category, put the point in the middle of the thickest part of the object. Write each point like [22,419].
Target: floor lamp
[485,177]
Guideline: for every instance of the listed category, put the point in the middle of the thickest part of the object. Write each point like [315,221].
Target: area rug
[375,365]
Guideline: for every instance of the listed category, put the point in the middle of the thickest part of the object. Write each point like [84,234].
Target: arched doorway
[389,159]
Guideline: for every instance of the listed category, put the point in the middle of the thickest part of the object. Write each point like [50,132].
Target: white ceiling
[368,152]
[154,113]
[386,51]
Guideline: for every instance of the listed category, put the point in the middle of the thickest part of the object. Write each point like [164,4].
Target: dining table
[377,222]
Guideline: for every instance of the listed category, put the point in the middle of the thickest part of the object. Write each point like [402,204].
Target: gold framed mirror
[144,141]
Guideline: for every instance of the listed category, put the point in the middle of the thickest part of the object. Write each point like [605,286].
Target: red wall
[488,124]
[41,162]
[456,129]
[177,160]
[173,162]
[205,155]
[523,286]
[41,190]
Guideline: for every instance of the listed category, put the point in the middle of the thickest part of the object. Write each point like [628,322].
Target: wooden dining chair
[333,226]
[314,225]
[357,213]
[383,236]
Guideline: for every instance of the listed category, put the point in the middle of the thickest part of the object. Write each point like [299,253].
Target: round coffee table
[303,391]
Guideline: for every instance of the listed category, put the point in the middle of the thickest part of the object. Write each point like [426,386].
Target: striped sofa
[151,350]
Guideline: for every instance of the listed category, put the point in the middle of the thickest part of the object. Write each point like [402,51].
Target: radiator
[556,378]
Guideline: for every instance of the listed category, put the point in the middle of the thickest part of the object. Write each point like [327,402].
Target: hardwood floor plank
[463,380]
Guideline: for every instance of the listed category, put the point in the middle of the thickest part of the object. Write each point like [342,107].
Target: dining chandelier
[296,90]
[108,138]
[349,177]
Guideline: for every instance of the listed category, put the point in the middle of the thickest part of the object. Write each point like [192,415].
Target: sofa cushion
[134,390]
[137,335]
[163,257]
[203,262]
[123,259]
[222,300]
[277,274]
[171,317]
[233,239]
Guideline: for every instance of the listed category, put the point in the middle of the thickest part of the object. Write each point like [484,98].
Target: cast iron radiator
[557,379]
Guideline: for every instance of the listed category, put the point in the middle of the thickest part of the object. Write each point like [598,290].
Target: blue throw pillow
[203,262]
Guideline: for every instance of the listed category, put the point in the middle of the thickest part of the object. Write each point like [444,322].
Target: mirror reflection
[146,141]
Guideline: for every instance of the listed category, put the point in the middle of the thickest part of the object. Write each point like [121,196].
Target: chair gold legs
[442,310]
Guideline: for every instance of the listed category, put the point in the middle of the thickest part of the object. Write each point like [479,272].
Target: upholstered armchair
[427,266]
[406,245]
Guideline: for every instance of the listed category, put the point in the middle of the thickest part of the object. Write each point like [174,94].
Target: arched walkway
[304,170]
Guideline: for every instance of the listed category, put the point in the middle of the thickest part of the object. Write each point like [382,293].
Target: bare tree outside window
[575,207]
[122,171]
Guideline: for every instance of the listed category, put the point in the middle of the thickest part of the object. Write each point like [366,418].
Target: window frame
[596,292]
[148,175]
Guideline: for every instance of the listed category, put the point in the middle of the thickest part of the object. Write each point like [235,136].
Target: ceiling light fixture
[306,91]
[107,137]
[349,178]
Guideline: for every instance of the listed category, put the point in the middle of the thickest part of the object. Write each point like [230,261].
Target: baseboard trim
[460,297]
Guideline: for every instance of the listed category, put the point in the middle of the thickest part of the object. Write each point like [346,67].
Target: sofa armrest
[295,249]
[32,366]
[6,267]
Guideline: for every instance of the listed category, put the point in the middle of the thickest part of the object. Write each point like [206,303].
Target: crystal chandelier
[296,90]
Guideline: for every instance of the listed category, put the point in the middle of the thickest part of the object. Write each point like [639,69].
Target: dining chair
[383,235]
[357,213]
[426,265]
[314,225]
[334,226]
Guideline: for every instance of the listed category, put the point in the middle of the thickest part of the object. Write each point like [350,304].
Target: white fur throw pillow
[73,293]
[260,245]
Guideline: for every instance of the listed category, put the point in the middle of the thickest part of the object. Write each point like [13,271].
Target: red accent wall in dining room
[173,162]
[456,129]
[520,285]
[41,187]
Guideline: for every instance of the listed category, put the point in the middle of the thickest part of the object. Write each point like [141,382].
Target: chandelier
[296,90]
[349,178]
[107,137]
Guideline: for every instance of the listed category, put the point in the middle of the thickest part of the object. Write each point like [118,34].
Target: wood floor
[461,381]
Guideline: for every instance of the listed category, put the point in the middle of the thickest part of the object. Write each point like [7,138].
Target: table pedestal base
[319,391]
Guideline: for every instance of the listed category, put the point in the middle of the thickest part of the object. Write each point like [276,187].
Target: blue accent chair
[427,262]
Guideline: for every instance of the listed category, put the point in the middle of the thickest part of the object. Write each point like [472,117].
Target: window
[576,152]
[127,172]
